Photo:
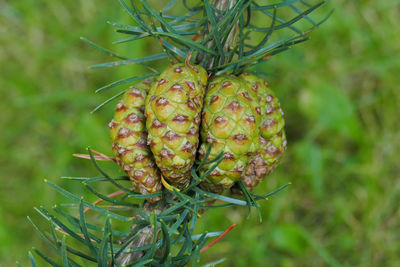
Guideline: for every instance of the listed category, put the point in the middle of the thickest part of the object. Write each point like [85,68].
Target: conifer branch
[221,40]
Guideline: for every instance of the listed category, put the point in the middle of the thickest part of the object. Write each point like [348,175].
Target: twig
[100,156]
[218,238]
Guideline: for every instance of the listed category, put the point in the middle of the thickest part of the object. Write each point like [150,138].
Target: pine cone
[173,109]
[129,141]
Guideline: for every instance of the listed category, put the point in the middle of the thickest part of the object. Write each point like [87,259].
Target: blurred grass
[341,98]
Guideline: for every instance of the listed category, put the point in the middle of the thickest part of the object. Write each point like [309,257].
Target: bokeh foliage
[339,92]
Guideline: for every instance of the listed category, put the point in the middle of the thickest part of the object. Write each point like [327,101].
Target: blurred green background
[342,104]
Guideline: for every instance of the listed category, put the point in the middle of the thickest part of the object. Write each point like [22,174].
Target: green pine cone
[272,133]
[230,123]
[129,141]
[173,109]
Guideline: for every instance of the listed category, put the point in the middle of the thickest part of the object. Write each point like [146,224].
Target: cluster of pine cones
[160,127]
